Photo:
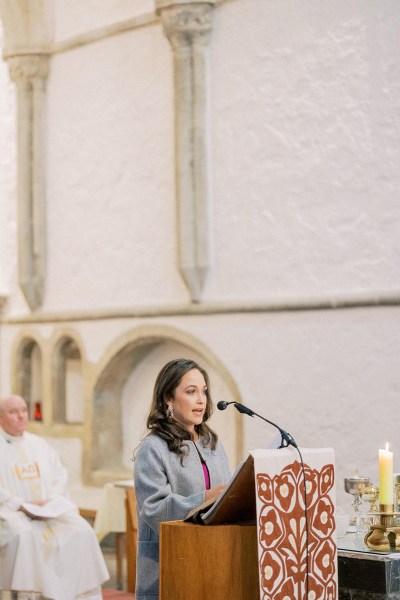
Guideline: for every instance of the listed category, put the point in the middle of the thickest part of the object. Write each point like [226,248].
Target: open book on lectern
[236,504]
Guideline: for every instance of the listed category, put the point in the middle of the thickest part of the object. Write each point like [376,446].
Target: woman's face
[190,400]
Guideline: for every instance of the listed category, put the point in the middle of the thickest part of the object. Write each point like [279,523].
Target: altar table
[365,574]
[111,517]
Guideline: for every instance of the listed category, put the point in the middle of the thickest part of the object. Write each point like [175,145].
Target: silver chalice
[354,485]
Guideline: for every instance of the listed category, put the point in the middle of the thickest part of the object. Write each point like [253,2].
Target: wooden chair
[131,538]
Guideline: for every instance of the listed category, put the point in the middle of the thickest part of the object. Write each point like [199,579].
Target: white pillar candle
[385,476]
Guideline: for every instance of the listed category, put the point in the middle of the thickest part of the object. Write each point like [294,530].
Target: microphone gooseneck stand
[286,440]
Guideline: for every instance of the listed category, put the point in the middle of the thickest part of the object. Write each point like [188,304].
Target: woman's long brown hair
[170,430]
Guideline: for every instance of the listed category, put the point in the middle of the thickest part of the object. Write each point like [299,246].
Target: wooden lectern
[217,559]
[260,539]
[219,562]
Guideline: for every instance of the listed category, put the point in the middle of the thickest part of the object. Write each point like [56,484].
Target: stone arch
[136,357]
[67,368]
[27,374]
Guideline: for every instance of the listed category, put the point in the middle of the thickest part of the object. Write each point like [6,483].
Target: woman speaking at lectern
[179,464]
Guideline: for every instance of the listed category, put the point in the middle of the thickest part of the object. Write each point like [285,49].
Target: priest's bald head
[13,415]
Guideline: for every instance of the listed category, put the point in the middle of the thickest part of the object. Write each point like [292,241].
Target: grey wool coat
[167,491]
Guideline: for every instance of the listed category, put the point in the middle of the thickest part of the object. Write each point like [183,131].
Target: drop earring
[170,412]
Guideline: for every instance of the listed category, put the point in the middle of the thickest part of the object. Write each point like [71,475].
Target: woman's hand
[214,492]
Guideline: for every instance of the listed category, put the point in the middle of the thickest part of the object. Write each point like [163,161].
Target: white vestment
[58,557]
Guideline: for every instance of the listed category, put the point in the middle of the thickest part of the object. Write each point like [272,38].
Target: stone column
[187,25]
[27,34]
[29,73]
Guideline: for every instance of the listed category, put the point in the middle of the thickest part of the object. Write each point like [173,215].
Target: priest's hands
[29,514]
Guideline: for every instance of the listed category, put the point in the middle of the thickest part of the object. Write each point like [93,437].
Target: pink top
[206,472]
[206,475]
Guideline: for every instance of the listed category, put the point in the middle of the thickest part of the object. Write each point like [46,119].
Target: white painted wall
[110,161]
[305,119]
[73,17]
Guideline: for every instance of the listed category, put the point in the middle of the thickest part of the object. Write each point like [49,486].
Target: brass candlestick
[385,536]
[386,514]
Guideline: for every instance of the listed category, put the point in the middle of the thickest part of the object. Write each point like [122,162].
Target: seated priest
[46,548]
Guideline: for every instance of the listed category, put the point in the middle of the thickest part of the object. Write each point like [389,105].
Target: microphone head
[222,405]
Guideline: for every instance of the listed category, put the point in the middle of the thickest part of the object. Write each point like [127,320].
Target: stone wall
[217,178]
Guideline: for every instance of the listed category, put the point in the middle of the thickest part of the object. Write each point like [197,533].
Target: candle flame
[387,446]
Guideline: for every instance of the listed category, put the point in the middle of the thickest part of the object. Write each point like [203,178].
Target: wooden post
[131,539]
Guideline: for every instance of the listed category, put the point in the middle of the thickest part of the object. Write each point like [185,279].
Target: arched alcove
[68,396]
[28,376]
[107,448]
[123,392]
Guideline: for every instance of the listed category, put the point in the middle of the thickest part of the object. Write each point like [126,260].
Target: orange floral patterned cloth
[281,526]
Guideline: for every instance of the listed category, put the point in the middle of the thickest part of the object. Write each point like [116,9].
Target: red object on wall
[38,412]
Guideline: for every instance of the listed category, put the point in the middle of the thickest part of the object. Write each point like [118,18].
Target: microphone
[286,438]
[222,405]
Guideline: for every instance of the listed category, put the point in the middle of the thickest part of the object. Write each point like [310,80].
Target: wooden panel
[88,513]
[202,562]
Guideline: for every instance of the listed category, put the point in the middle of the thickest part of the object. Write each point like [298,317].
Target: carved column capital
[28,67]
[187,24]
